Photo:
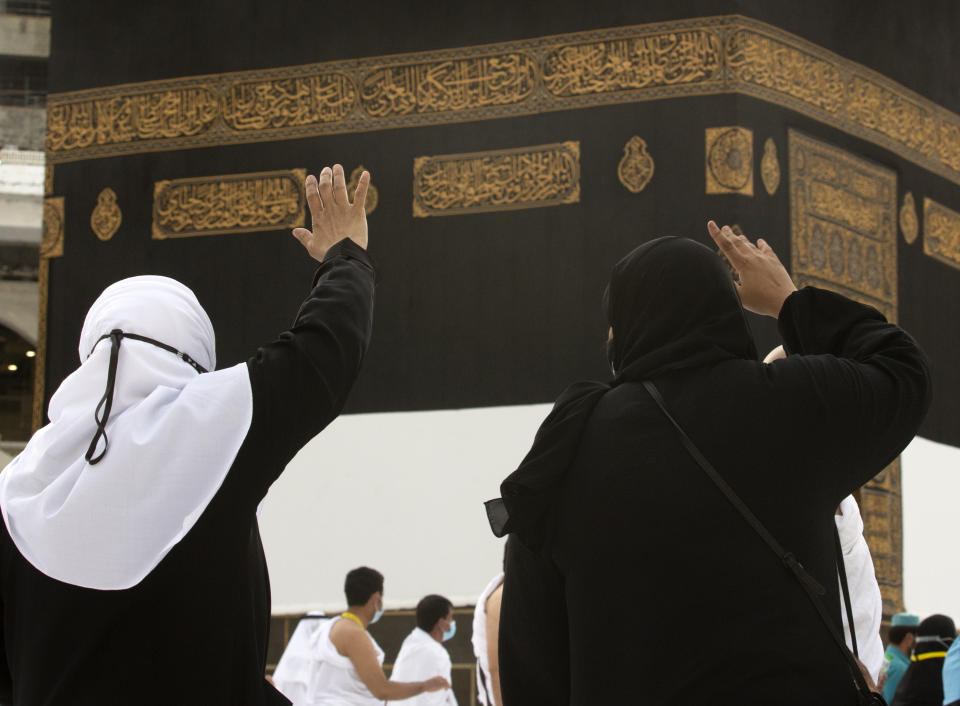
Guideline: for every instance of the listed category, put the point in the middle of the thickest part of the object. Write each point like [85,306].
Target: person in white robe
[348,663]
[422,654]
[486,625]
[295,668]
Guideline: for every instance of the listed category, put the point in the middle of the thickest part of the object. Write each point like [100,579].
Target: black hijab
[672,305]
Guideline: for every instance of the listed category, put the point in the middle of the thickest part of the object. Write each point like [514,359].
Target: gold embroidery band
[843,221]
[231,203]
[710,55]
[941,233]
[499,180]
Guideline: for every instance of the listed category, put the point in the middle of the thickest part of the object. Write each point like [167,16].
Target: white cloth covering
[479,640]
[421,658]
[173,435]
[865,599]
[296,665]
[334,680]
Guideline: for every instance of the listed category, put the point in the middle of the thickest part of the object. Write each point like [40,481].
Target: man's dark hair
[361,584]
[431,609]
[899,632]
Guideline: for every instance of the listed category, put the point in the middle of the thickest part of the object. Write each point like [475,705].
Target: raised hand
[332,215]
[764,281]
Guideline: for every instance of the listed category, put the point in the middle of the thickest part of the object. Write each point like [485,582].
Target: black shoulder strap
[847,605]
[810,585]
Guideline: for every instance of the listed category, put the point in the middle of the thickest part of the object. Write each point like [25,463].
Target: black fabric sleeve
[300,382]
[533,647]
[856,384]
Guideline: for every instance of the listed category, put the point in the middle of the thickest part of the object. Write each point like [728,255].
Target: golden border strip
[941,233]
[228,203]
[728,54]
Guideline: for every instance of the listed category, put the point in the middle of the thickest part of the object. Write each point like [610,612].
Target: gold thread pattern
[880,507]
[941,233]
[729,160]
[635,169]
[498,180]
[373,196]
[48,179]
[713,55]
[843,214]
[909,224]
[51,244]
[448,85]
[770,167]
[231,203]
[106,216]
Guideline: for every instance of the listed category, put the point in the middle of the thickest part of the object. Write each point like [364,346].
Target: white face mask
[451,631]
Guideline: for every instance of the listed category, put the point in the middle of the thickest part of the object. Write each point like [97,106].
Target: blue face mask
[377,616]
[451,632]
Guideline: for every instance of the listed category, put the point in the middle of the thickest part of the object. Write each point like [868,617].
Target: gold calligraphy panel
[881,510]
[51,246]
[843,220]
[231,203]
[499,180]
[726,54]
[941,233]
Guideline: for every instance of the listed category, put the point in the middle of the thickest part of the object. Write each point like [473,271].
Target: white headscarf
[173,435]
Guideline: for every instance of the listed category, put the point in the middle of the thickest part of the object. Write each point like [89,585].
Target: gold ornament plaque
[729,160]
[770,167]
[941,233]
[106,216]
[636,167]
[909,224]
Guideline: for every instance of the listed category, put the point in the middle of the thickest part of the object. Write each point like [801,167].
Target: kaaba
[517,151]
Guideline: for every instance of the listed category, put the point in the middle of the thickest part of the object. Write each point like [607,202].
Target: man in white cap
[131,567]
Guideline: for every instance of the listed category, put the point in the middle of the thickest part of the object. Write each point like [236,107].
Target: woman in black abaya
[631,579]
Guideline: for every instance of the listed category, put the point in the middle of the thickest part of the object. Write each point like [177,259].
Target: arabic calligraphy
[51,245]
[941,233]
[880,507]
[138,117]
[635,169]
[729,160]
[631,63]
[237,203]
[527,177]
[106,216]
[909,225]
[448,85]
[770,167]
[843,215]
[288,102]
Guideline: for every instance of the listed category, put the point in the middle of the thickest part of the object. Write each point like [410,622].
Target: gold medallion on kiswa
[633,63]
[141,117]
[526,177]
[270,104]
[843,220]
[52,243]
[941,232]
[232,203]
[448,85]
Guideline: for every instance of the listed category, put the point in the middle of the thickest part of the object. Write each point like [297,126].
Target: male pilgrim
[129,549]
[422,654]
[347,665]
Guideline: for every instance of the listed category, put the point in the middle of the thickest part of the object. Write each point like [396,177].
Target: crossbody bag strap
[811,587]
[845,589]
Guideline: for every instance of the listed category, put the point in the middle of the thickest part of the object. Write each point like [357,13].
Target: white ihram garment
[865,598]
[173,435]
[421,658]
[334,681]
[479,640]
[295,668]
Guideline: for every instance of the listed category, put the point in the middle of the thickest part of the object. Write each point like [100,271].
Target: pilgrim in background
[422,654]
[902,635]
[485,640]
[609,496]
[295,666]
[922,684]
[347,663]
[130,545]
[951,675]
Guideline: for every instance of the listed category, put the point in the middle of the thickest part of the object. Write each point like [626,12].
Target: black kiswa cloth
[652,336]
[631,578]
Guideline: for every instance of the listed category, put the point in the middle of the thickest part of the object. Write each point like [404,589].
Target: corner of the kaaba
[517,151]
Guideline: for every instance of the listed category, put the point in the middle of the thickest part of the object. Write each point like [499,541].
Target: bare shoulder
[346,635]
[493,600]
